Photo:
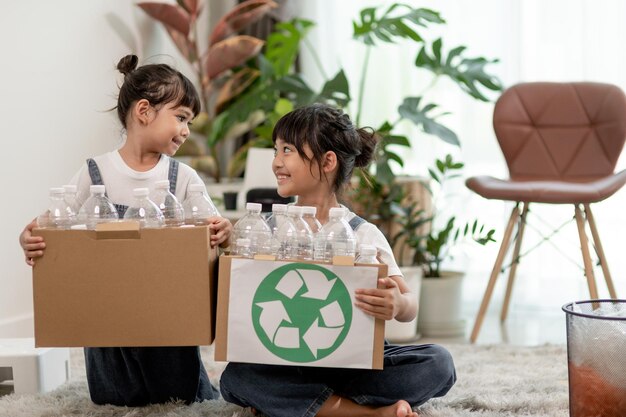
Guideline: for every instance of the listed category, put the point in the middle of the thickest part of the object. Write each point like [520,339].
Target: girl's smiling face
[295,175]
[169,127]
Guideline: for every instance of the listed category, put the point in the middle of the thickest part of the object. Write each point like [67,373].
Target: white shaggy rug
[493,381]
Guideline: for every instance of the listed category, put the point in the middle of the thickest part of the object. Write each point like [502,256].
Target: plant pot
[400,332]
[440,306]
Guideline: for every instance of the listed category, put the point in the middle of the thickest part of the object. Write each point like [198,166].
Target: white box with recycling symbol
[296,313]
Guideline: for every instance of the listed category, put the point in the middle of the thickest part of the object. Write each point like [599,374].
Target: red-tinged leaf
[239,17]
[184,45]
[171,16]
[230,53]
[235,86]
[191,6]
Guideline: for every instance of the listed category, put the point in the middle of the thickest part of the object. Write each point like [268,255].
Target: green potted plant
[219,64]
[429,240]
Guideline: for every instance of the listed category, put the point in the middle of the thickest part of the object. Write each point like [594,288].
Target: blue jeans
[412,373]
[138,376]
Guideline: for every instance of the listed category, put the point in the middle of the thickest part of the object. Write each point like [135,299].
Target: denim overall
[412,373]
[138,376]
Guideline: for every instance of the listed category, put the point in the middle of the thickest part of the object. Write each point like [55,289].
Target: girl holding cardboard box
[316,150]
[155,105]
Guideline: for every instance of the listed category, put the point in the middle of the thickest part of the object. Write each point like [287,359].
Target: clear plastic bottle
[308,215]
[197,206]
[168,203]
[70,197]
[277,217]
[144,210]
[287,235]
[242,248]
[253,227]
[97,208]
[367,255]
[302,246]
[335,238]
[59,215]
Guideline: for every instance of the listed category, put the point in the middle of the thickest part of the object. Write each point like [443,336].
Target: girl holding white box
[316,150]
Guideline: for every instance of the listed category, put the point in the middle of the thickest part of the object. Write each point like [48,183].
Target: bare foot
[336,406]
[399,409]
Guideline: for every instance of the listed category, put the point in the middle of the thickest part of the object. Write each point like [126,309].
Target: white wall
[58,80]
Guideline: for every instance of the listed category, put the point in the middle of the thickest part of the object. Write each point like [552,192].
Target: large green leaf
[336,90]
[385,155]
[296,90]
[393,25]
[409,109]
[468,73]
[284,43]
[261,97]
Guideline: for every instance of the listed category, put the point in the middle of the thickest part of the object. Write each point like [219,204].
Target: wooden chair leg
[494,274]
[514,262]
[584,247]
[600,252]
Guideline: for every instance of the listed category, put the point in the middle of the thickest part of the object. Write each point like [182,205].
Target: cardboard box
[296,313]
[121,286]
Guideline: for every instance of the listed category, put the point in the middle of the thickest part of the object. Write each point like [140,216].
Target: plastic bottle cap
[57,191]
[243,242]
[336,212]
[279,208]
[70,189]
[96,189]
[140,192]
[367,250]
[162,184]
[256,207]
[196,187]
[309,210]
[294,210]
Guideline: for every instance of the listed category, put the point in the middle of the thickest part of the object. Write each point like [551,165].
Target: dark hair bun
[128,64]
[369,140]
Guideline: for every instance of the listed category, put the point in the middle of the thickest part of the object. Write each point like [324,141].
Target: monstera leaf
[390,25]
[468,73]
[336,90]
[409,109]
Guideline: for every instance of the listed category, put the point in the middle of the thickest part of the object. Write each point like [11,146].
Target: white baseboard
[17,326]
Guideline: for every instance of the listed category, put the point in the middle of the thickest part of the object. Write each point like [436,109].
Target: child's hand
[33,246]
[384,302]
[222,229]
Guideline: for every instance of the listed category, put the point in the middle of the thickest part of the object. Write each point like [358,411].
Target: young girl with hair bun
[155,105]
[316,150]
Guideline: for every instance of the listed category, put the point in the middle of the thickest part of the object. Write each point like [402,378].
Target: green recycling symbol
[301,312]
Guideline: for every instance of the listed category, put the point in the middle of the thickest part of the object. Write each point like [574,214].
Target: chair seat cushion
[554,192]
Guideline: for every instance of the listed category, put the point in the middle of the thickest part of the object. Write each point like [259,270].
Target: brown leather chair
[561,142]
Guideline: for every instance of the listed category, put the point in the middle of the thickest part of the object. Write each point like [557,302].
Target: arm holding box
[33,246]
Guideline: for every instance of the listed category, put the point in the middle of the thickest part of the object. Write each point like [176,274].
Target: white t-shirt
[120,180]
[368,234]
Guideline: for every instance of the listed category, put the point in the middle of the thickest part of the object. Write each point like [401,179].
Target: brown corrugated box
[122,286]
[225,287]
